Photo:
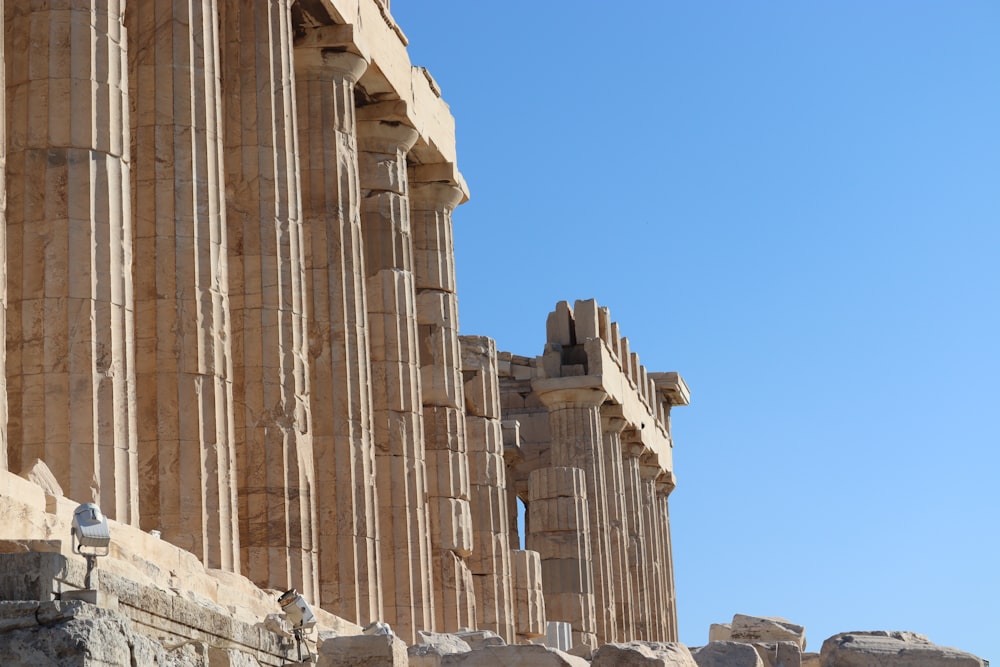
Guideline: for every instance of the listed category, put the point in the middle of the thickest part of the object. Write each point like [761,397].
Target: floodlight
[90,531]
[299,613]
[297,610]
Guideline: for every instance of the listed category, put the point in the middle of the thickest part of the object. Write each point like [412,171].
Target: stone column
[490,560]
[3,251]
[69,250]
[670,608]
[640,574]
[650,515]
[384,140]
[559,530]
[267,297]
[431,206]
[612,424]
[184,362]
[349,576]
[575,426]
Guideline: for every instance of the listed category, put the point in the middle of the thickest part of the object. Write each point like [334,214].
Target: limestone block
[480,639]
[779,654]
[38,473]
[766,629]
[452,523]
[443,426]
[447,474]
[484,434]
[811,660]
[528,655]
[363,651]
[643,654]
[720,632]
[727,654]
[559,325]
[585,317]
[433,646]
[891,649]
[556,482]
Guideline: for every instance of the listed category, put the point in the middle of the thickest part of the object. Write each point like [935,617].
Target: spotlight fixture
[90,536]
[299,614]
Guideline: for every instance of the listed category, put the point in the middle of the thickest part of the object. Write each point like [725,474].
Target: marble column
[267,297]
[612,424]
[3,252]
[431,206]
[184,362]
[490,560]
[326,73]
[384,140]
[559,530]
[640,574]
[670,608]
[69,250]
[575,427]
[656,627]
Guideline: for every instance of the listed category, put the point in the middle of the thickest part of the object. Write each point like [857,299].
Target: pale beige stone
[745,628]
[363,651]
[530,655]
[891,649]
[727,654]
[643,654]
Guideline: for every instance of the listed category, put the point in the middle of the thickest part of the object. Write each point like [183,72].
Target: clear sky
[797,206]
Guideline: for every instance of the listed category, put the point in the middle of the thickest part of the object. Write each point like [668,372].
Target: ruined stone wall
[233,320]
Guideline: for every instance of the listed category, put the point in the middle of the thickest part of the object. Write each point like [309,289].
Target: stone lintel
[582,391]
[511,430]
[672,387]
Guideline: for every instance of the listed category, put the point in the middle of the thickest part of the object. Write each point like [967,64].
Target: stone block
[643,654]
[727,654]
[720,632]
[432,646]
[529,655]
[556,482]
[766,629]
[883,648]
[362,651]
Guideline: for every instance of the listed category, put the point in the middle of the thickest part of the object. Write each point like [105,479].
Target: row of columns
[599,518]
[288,353]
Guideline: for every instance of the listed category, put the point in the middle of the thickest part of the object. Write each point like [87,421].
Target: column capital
[329,62]
[384,135]
[333,38]
[435,196]
[612,419]
[570,392]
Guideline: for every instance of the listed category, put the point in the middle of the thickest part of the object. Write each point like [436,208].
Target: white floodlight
[299,613]
[91,536]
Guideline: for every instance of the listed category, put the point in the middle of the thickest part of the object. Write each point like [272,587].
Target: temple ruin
[231,319]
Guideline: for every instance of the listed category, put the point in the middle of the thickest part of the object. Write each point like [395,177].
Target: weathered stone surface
[779,654]
[727,654]
[38,473]
[883,648]
[363,651]
[643,654]
[528,655]
[766,629]
[433,646]
[478,639]
[720,632]
[811,660]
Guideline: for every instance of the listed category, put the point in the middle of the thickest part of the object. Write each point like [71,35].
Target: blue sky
[797,206]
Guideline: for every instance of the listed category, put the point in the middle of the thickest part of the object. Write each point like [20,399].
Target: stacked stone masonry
[231,317]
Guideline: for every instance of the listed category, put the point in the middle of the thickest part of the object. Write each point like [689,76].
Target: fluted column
[384,141]
[69,250]
[640,572]
[575,431]
[3,252]
[670,608]
[267,297]
[612,424]
[650,516]
[431,206]
[349,575]
[184,369]
[490,560]
[558,526]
